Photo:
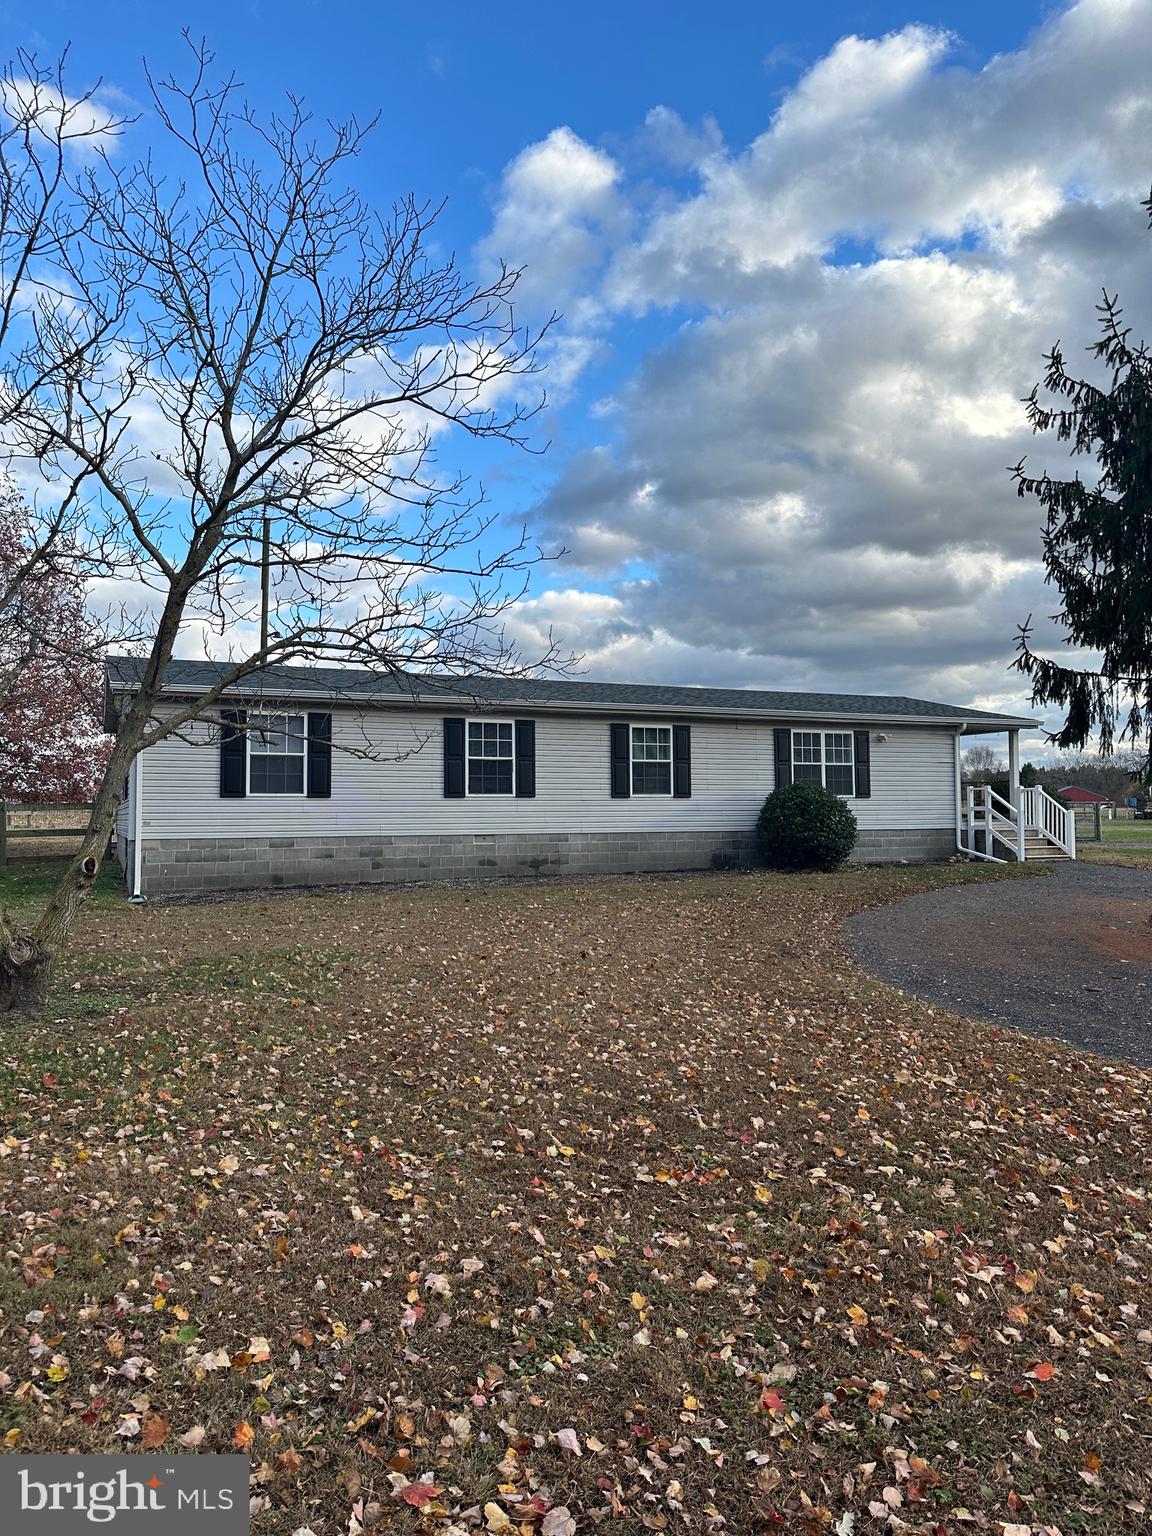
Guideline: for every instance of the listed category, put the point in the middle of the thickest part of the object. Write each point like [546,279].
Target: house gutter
[442,703]
[137,826]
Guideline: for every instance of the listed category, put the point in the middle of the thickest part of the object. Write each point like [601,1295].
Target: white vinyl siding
[124,822]
[124,815]
[399,790]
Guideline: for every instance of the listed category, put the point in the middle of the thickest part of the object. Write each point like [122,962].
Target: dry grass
[548,1208]
[1105,853]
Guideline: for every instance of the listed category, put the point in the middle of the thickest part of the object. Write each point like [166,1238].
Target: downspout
[137,824]
[969,853]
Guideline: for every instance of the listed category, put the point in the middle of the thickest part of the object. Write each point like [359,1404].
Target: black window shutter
[525,759]
[682,761]
[319,757]
[863,755]
[454,765]
[233,754]
[620,757]
[783,738]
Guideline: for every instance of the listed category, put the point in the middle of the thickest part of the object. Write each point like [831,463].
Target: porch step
[990,815]
[1041,848]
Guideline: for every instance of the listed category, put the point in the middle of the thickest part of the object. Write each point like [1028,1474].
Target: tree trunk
[28,958]
[25,974]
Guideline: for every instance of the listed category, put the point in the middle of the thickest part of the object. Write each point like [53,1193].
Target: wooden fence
[17,822]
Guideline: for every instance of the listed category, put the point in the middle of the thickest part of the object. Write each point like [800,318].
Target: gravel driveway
[1068,956]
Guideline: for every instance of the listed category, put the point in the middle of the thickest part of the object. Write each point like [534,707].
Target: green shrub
[805,826]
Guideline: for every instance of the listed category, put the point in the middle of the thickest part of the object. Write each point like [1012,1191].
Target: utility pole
[265,547]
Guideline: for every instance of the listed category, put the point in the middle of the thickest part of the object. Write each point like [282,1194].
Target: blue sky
[808,257]
[462,88]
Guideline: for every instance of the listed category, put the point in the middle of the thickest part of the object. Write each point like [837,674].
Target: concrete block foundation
[921,846]
[174,866]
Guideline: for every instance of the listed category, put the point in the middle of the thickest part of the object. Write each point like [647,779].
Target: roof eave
[968,724]
[985,727]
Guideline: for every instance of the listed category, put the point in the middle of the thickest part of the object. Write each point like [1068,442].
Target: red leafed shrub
[52,745]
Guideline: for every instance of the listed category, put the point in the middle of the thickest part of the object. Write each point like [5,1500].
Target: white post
[137,825]
[1014,789]
[971,818]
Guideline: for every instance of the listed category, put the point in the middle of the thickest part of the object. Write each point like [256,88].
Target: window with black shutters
[651,759]
[491,757]
[825,757]
[276,751]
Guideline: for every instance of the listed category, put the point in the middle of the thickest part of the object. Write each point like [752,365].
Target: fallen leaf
[419,1494]
[154,1432]
[558,1522]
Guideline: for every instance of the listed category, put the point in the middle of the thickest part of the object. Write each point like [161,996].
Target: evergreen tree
[1098,543]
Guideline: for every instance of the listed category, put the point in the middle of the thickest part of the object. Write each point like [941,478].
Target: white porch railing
[989,812]
[1006,827]
[1044,814]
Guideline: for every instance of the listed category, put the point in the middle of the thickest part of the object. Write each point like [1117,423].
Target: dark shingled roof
[362,686]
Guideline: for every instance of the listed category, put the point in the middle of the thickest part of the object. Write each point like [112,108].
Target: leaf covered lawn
[622,1206]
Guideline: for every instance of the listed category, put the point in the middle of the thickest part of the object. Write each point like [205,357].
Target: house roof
[1086,796]
[425,690]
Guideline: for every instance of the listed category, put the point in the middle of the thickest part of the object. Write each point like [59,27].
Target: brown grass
[1103,853]
[635,1200]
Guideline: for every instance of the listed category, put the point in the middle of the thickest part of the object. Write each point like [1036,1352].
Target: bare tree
[981,763]
[44,134]
[252,381]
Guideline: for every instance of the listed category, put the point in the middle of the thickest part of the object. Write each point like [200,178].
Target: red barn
[1074,795]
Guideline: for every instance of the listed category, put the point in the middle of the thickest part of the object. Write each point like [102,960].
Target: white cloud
[86,124]
[557,213]
[857,79]
[805,483]
[881,142]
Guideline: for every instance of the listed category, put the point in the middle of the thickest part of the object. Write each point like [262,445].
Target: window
[807,759]
[651,759]
[491,764]
[838,763]
[276,754]
[825,757]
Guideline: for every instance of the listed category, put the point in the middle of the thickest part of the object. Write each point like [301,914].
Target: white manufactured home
[312,776]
